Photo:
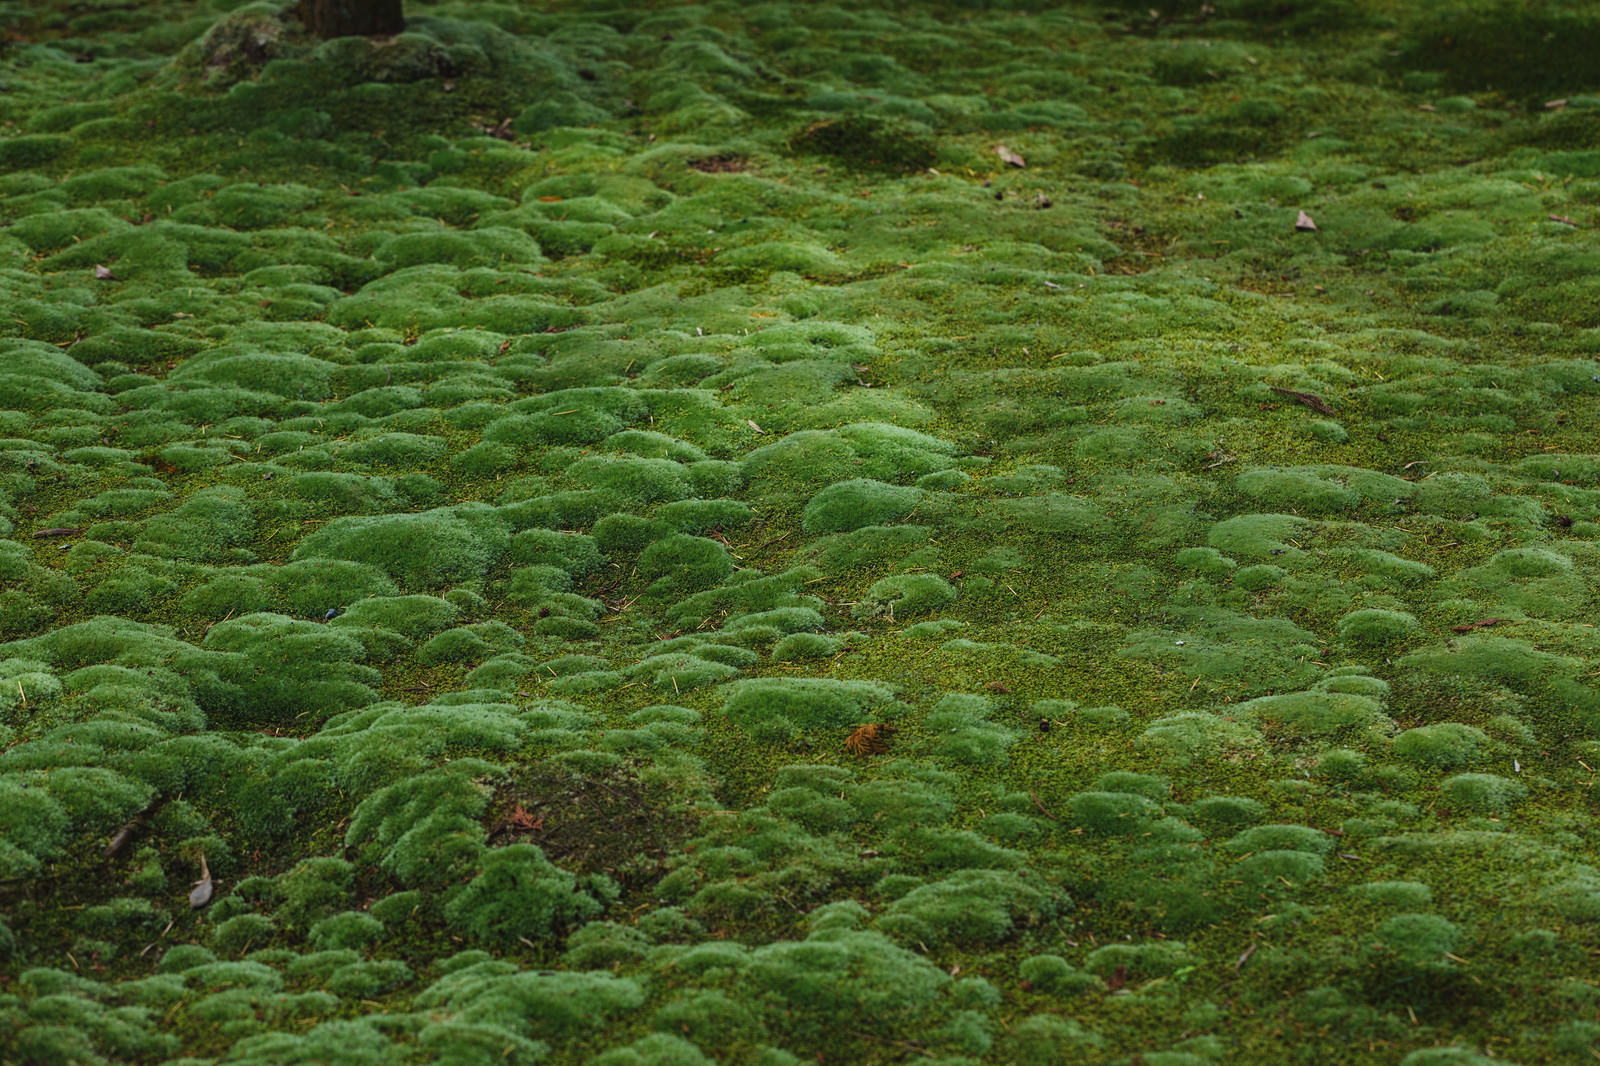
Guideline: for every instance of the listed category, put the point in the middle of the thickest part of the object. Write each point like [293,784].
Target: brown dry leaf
[104,273]
[1303,223]
[1310,399]
[751,423]
[1008,156]
[522,819]
[203,889]
[1481,623]
[1555,105]
[1562,219]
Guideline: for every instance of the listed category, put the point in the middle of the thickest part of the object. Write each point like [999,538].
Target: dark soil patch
[721,164]
[613,823]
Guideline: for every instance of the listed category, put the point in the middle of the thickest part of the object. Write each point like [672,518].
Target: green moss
[797,647]
[1111,813]
[777,708]
[1313,713]
[905,595]
[836,355]
[850,505]
[1481,793]
[33,149]
[682,563]
[430,549]
[1445,746]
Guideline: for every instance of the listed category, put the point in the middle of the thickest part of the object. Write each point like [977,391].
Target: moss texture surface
[770,533]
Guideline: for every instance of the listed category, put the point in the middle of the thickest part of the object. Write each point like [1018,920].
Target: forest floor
[771,533]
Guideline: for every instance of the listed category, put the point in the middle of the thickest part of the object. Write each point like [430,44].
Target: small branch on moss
[120,839]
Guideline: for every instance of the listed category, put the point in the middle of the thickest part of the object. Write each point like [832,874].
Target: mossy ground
[468,487]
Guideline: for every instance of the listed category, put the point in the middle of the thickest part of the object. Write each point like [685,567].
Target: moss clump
[1226,812]
[968,907]
[964,733]
[1313,714]
[1444,746]
[779,707]
[1111,813]
[427,550]
[1377,627]
[850,505]
[1408,894]
[1055,975]
[520,894]
[1139,961]
[797,647]
[1481,793]
[681,563]
[904,595]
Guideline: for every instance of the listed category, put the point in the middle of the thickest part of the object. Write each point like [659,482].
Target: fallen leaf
[1479,624]
[1562,219]
[1303,223]
[104,273]
[1118,978]
[500,131]
[203,889]
[1310,399]
[751,423]
[58,531]
[1555,105]
[522,819]
[1008,156]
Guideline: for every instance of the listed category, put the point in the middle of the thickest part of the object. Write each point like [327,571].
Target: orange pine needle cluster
[869,739]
